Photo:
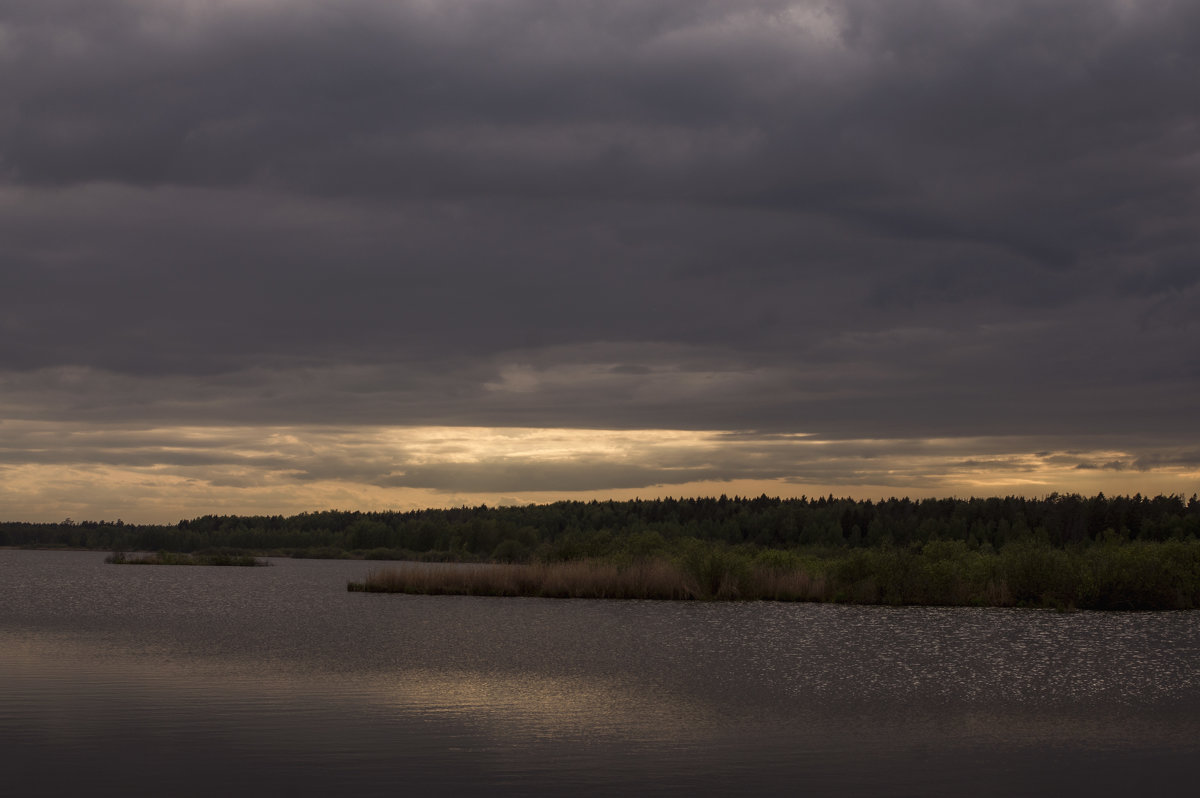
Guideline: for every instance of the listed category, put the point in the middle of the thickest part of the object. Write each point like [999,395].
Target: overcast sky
[277,255]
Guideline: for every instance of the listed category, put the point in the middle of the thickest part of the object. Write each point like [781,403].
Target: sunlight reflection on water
[253,679]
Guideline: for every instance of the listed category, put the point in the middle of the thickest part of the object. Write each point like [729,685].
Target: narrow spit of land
[1116,576]
[169,558]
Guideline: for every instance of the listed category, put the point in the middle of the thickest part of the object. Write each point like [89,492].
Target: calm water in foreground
[142,680]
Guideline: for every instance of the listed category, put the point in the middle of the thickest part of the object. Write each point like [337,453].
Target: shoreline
[1116,578]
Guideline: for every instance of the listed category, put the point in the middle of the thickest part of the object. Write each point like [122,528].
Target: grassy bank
[169,558]
[1118,576]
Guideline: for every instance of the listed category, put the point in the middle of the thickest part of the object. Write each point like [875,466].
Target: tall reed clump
[945,573]
[1112,576]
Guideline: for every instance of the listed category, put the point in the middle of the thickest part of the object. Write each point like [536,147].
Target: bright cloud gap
[159,474]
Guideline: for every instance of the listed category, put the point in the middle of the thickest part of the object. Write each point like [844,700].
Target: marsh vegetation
[170,558]
[1116,576]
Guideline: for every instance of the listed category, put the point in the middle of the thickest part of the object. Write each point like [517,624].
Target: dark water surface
[145,680]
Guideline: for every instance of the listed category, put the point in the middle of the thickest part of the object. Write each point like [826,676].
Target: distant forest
[574,530]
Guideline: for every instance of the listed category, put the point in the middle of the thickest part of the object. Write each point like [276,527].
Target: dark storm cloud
[863,219]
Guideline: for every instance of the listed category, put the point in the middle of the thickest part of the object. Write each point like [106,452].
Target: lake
[153,680]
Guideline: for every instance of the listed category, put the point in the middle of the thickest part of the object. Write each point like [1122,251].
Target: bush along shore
[169,558]
[1111,576]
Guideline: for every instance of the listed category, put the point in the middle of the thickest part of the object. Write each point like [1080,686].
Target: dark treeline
[574,530]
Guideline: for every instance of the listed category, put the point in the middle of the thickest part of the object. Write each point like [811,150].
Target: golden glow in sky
[51,471]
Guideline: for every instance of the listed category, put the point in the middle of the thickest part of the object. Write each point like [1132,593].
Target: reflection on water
[154,680]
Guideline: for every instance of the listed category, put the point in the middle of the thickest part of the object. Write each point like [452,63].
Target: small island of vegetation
[171,558]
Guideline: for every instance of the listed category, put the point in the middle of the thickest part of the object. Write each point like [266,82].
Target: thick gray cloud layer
[857,219]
